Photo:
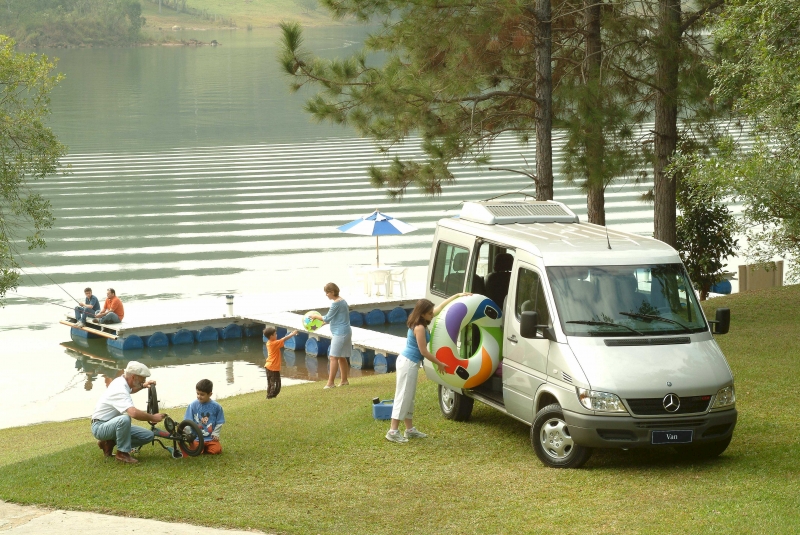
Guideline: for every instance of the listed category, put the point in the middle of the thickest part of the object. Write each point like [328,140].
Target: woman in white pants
[408,367]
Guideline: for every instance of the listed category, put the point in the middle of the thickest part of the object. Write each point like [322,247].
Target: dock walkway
[370,348]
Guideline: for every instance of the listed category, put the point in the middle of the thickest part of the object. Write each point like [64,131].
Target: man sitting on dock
[112,309]
[111,420]
[89,310]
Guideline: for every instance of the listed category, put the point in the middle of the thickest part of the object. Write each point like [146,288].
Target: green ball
[312,324]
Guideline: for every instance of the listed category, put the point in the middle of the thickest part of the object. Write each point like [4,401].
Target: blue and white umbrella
[376,224]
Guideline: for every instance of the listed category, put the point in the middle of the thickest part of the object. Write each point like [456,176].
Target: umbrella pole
[377,253]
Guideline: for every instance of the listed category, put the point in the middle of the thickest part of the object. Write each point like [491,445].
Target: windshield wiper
[590,322]
[653,317]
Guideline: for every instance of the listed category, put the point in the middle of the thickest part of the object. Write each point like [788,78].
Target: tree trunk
[666,116]
[544,97]
[593,104]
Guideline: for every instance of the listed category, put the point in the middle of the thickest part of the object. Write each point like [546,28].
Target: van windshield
[625,300]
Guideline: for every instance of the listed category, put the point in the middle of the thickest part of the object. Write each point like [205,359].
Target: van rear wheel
[552,442]
[455,406]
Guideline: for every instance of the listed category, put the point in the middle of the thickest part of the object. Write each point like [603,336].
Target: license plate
[671,437]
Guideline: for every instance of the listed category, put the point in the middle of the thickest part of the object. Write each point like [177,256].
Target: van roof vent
[500,213]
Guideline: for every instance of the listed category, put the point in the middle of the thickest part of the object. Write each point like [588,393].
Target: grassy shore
[314,461]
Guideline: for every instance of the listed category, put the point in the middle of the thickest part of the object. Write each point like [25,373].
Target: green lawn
[314,461]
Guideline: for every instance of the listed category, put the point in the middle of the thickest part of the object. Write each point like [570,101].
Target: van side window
[530,296]
[449,269]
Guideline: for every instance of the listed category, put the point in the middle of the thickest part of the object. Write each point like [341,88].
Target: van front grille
[653,406]
[616,434]
[671,424]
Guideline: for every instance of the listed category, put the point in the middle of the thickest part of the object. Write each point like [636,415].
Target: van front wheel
[552,442]
[455,406]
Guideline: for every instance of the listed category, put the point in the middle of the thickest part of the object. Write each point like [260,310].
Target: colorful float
[446,327]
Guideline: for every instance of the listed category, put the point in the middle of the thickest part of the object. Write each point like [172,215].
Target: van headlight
[600,401]
[725,397]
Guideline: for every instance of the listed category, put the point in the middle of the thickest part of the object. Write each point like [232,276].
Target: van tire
[707,450]
[552,442]
[455,406]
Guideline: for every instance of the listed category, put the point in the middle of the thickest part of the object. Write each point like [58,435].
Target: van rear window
[449,269]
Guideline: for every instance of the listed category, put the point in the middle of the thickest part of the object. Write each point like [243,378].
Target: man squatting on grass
[111,420]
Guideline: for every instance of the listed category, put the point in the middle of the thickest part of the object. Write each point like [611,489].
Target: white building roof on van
[562,243]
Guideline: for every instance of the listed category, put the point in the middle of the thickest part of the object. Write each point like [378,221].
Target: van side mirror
[529,325]
[722,323]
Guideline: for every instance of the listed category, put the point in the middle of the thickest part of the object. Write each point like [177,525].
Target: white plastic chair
[398,276]
[359,276]
[381,277]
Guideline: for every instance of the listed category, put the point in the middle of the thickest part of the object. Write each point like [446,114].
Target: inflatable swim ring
[476,310]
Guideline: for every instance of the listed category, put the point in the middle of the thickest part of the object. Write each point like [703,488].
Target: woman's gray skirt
[342,345]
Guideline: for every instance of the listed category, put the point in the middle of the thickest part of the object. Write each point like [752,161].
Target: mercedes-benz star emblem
[672,403]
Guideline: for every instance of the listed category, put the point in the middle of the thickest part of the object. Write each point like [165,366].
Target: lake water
[193,173]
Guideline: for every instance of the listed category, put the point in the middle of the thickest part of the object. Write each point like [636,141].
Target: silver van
[604,342]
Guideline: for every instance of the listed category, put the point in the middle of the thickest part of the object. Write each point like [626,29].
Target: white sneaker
[413,433]
[79,324]
[394,436]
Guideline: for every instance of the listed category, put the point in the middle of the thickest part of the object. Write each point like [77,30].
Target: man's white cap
[137,368]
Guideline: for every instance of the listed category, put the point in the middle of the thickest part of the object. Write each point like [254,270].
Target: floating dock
[371,349]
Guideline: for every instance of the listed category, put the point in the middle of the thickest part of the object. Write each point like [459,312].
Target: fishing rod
[39,299]
[51,280]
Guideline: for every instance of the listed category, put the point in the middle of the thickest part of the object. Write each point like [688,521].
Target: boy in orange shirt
[273,364]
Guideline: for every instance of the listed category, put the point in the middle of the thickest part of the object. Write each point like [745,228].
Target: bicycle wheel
[191,442]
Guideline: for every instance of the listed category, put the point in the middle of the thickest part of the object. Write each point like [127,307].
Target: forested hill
[56,23]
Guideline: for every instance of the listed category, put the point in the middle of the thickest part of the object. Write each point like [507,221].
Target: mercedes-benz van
[604,342]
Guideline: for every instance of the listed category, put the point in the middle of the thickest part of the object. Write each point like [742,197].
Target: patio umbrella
[376,224]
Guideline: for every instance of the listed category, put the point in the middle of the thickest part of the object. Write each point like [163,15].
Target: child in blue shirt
[207,414]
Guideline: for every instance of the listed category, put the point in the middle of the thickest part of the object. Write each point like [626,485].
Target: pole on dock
[229,302]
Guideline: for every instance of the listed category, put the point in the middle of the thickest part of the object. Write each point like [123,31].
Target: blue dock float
[362,358]
[317,346]
[128,336]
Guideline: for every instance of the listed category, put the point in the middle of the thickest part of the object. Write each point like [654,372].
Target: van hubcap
[555,438]
[448,399]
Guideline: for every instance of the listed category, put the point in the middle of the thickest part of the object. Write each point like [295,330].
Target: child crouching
[207,414]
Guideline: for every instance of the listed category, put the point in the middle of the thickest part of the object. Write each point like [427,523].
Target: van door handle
[512,338]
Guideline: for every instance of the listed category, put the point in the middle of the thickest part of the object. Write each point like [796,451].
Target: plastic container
[397,315]
[375,317]
[361,359]
[317,347]
[383,410]
[356,318]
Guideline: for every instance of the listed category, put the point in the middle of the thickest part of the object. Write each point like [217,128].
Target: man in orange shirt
[112,309]
[273,364]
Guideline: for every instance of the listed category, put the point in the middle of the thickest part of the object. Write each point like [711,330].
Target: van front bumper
[627,432]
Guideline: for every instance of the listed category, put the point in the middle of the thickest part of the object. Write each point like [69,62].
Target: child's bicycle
[186,436]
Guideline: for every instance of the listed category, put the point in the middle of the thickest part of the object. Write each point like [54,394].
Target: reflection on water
[96,359]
